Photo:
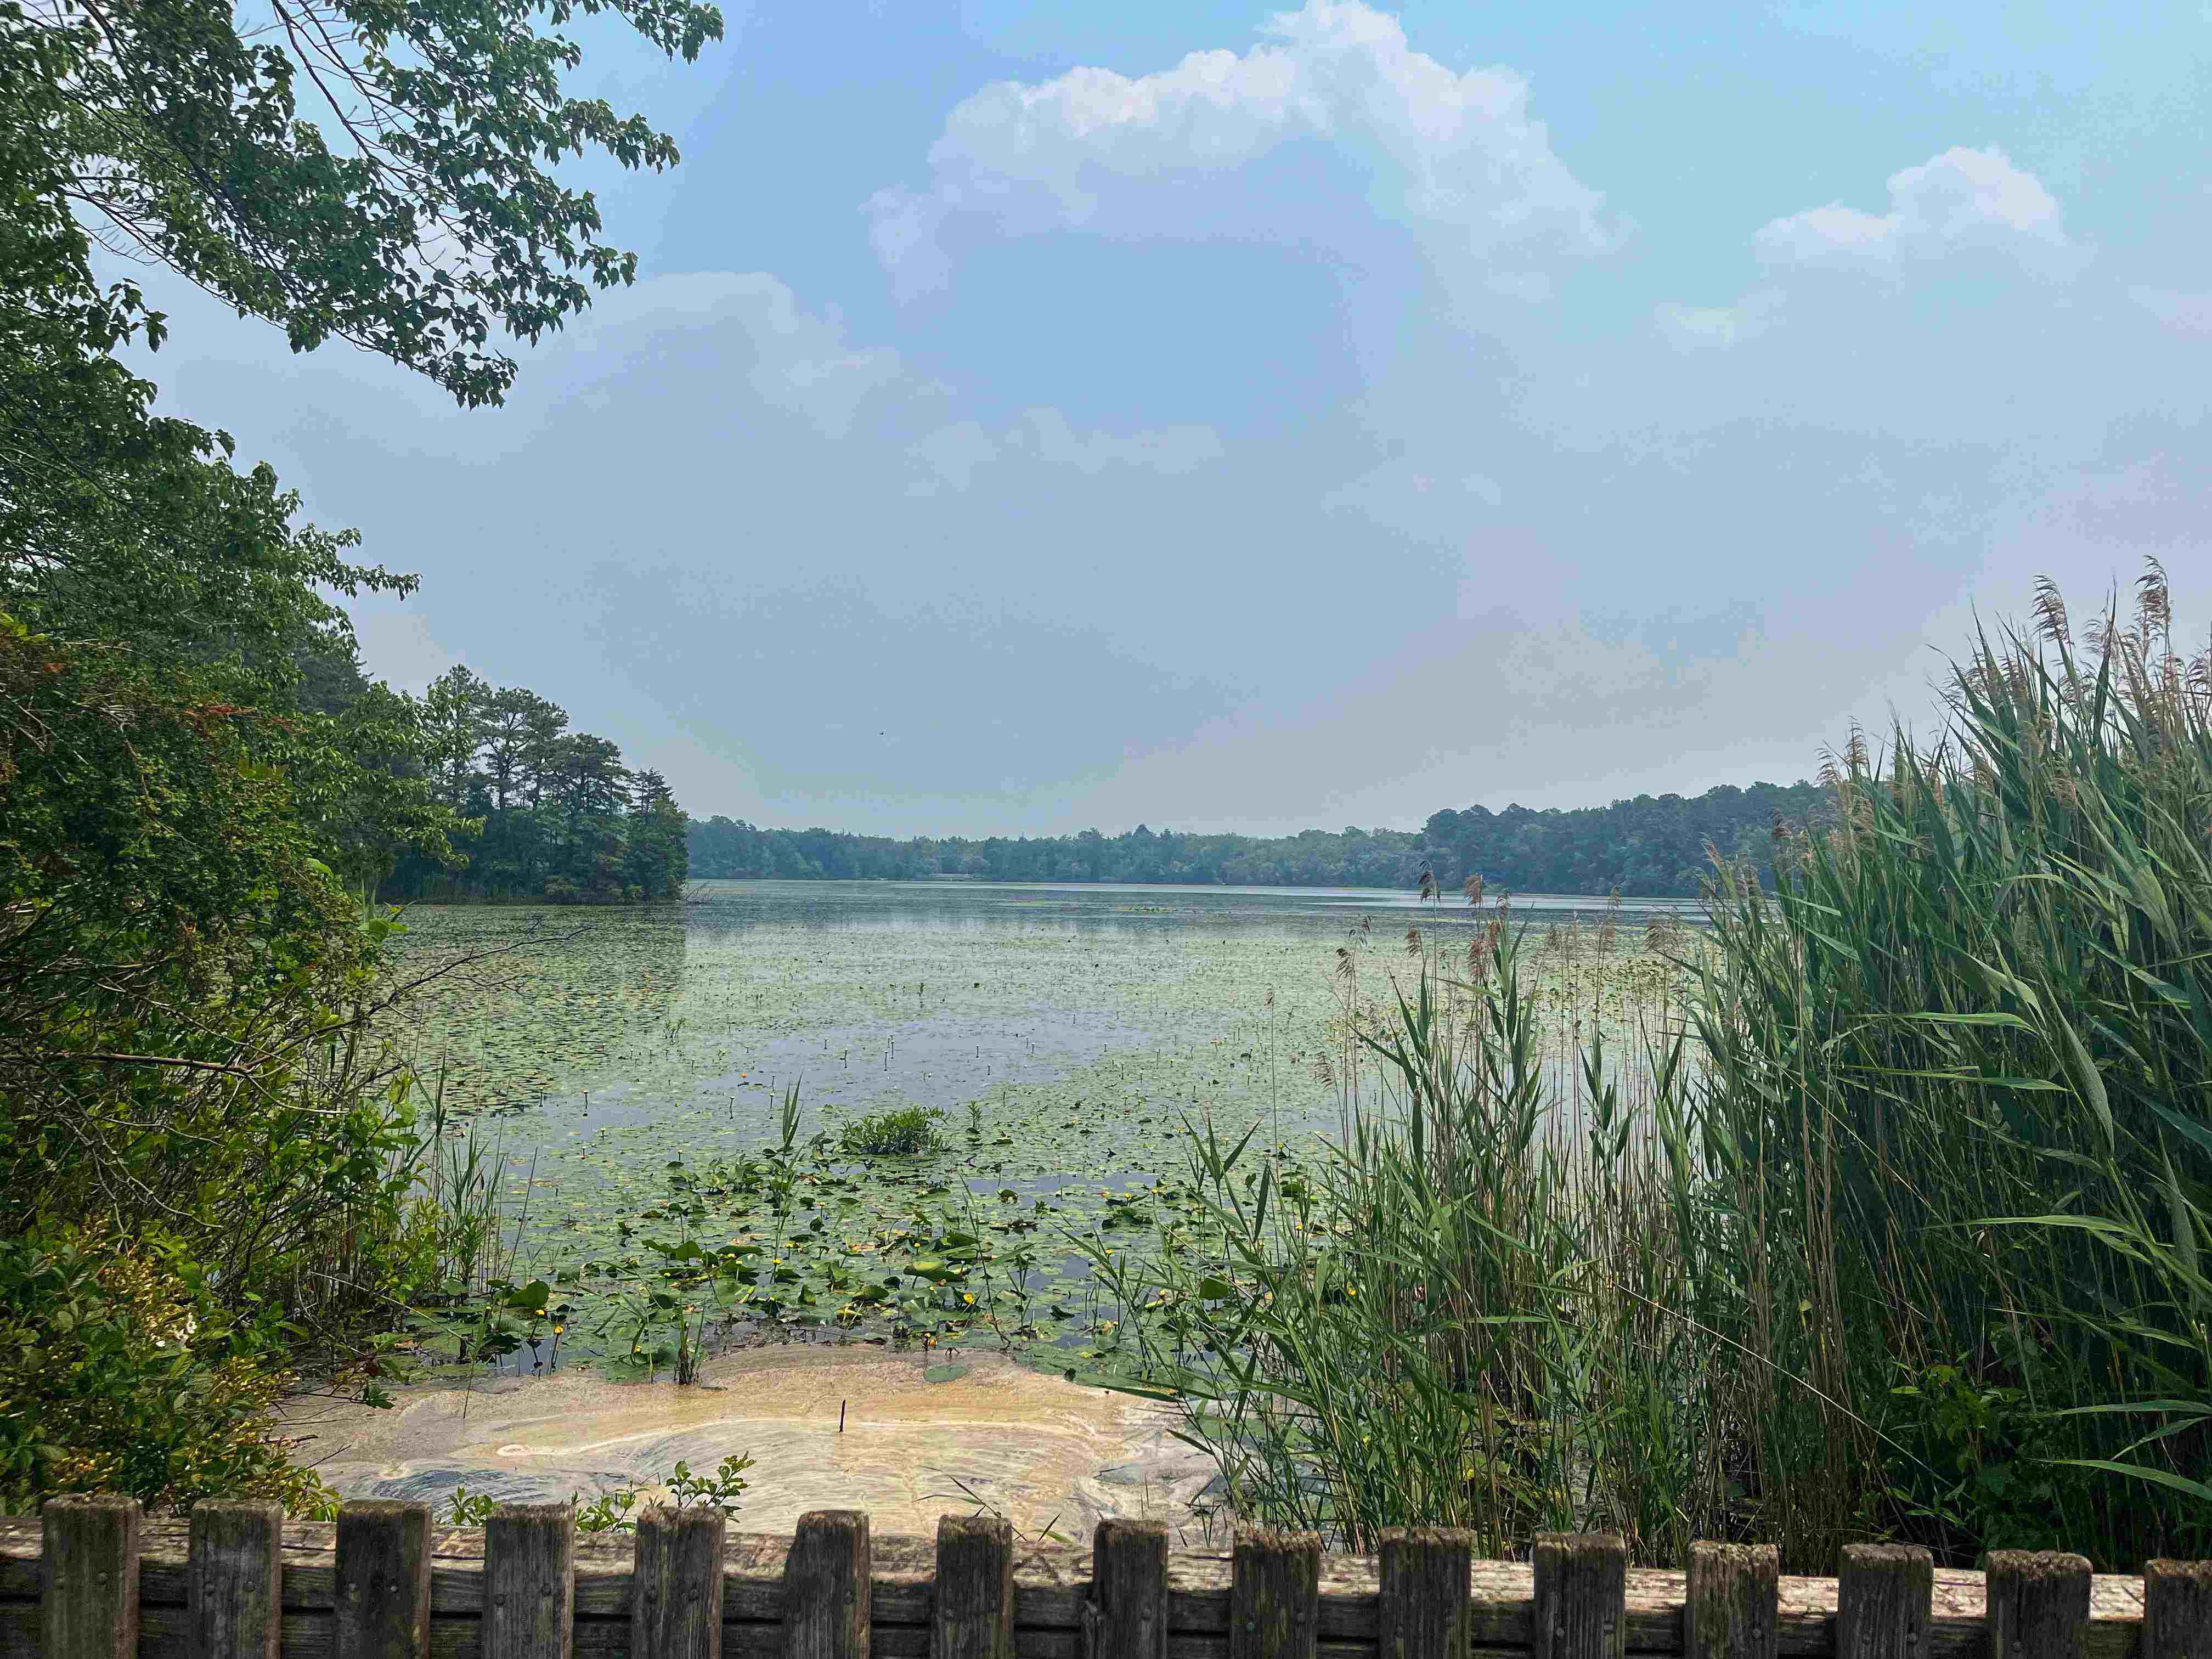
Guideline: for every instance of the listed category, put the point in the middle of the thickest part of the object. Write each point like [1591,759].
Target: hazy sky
[1039,416]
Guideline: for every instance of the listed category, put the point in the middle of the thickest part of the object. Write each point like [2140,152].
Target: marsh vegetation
[1892,1223]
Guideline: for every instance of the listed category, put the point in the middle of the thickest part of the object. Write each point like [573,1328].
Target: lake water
[1068,1033]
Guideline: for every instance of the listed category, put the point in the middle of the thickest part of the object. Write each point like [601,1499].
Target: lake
[1068,1033]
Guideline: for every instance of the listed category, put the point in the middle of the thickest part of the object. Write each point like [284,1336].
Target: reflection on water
[872,993]
[1069,1035]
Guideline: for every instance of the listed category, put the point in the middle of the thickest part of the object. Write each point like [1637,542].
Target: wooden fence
[91,1578]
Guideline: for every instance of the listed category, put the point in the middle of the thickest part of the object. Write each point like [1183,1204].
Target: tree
[455,710]
[659,847]
[365,169]
[195,1123]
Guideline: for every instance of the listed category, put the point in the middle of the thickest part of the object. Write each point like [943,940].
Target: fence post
[676,1586]
[974,1602]
[1422,1613]
[1581,1596]
[384,1580]
[234,1579]
[1274,1595]
[2177,1610]
[92,1577]
[2037,1603]
[1733,1609]
[530,1582]
[1883,1597]
[827,1581]
[1128,1617]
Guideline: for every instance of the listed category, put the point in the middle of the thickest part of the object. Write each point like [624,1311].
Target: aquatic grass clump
[1466,1314]
[1895,1221]
[1959,1112]
[905,1132]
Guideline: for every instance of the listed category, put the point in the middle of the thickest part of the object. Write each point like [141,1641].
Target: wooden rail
[91,1578]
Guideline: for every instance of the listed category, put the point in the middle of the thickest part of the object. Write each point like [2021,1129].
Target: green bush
[196,1123]
[120,1371]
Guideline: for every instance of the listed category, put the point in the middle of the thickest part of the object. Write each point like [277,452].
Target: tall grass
[1887,1216]
[1959,1086]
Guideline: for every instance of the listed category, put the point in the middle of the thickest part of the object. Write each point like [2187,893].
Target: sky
[1036,416]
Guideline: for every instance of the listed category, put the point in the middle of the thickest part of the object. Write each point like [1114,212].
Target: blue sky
[1034,416]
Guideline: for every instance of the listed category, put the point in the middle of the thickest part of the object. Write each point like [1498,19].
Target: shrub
[119,1372]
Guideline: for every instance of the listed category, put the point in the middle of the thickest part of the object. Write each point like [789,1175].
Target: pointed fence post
[1423,1611]
[1732,1610]
[233,1584]
[1128,1617]
[1581,1596]
[530,1582]
[1883,1597]
[1274,1595]
[91,1602]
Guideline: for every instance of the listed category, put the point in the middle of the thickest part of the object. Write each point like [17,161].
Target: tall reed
[1895,1223]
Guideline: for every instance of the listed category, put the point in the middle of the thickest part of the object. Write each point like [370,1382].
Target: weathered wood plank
[1274,1595]
[975,1614]
[530,1581]
[1884,1600]
[676,1610]
[165,1635]
[1581,1596]
[1732,1604]
[382,1576]
[1421,1605]
[235,1590]
[2177,1611]
[89,1599]
[1127,1611]
[826,1608]
[1052,1587]
[2039,1604]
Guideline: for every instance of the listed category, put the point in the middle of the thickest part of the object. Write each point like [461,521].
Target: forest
[552,814]
[1651,847]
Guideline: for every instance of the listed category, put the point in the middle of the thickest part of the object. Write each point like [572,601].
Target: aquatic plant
[1896,1227]
[904,1133]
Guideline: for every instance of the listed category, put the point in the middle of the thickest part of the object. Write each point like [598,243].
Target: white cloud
[952,454]
[1170,450]
[803,362]
[1704,328]
[1455,154]
[1962,199]
[1430,497]
[2185,313]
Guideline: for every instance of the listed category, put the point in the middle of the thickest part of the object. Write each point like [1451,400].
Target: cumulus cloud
[1434,496]
[1960,200]
[952,455]
[1454,155]
[803,364]
[1954,205]
[1706,328]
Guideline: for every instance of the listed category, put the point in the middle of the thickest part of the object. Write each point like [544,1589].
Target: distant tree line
[1651,847]
[549,813]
